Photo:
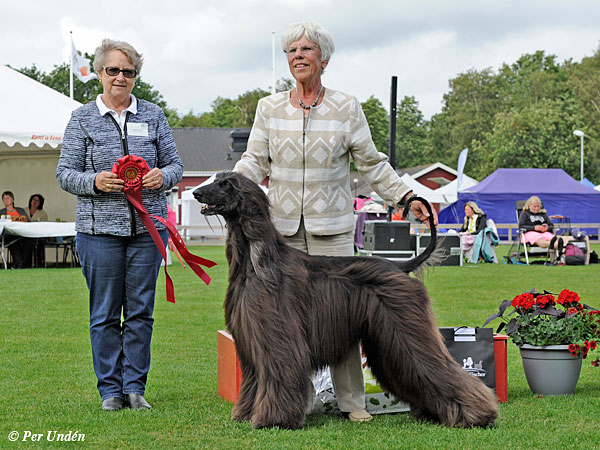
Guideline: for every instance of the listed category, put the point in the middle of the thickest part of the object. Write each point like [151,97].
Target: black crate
[451,242]
[395,235]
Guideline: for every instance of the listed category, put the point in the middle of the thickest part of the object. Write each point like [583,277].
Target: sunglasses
[114,71]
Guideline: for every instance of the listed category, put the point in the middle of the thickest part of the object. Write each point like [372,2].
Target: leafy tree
[379,123]
[246,105]
[584,81]
[538,135]
[285,84]
[58,79]
[412,134]
[467,114]
[530,79]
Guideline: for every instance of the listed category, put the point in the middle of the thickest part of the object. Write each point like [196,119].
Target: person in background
[537,225]
[119,259]
[36,208]
[38,214]
[538,228]
[303,140]
[475,219]
[18,246]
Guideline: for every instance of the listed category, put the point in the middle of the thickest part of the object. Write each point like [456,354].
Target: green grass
[47,381]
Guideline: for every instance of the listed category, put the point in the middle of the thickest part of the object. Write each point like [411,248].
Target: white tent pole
[71,69]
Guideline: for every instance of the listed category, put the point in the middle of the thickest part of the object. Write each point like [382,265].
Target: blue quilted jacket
[92,143]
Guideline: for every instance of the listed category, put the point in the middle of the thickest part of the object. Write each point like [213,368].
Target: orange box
[500,363]
[229,373]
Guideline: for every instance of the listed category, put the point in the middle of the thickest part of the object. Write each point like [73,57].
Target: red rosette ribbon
[131,169]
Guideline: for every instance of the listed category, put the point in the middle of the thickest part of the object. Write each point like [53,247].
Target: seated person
[37,214]
[8,198]
[475,219]
[474,226]
[19,248]
[538,226]
[36,208]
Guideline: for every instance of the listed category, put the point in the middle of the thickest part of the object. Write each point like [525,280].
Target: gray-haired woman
[119,259]
[303,140]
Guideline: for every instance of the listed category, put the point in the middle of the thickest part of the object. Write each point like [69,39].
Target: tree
[379,123]
[412,134]
[285,84]
[467,114]
[538,135]
[584,81]
[58,79]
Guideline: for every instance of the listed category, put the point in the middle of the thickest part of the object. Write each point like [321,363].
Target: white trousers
[347,376]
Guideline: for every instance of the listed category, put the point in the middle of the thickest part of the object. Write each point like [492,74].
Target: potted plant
[553,335]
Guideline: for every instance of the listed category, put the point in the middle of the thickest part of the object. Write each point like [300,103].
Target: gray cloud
[196,51]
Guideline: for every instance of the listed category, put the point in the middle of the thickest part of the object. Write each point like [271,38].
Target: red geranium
[541,319]
[568,298]
[524,301]
[543,300]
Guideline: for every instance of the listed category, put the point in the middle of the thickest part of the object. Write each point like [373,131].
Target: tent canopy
[33,113]
[496,196]
[211,226]
[33,118]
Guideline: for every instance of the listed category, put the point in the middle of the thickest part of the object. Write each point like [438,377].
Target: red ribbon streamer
[131,169]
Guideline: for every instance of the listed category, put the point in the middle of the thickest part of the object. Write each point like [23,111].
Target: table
[35,230]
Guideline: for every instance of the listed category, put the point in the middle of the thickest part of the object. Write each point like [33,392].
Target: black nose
[197,194]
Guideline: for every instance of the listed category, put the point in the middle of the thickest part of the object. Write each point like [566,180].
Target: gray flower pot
[550,370]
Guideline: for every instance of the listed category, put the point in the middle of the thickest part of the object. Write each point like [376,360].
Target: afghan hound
[292,314]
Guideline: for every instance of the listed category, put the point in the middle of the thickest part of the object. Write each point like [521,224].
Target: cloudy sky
[197,50]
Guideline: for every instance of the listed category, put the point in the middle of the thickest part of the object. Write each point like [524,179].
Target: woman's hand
[153,179]
[108,182]
[420,212]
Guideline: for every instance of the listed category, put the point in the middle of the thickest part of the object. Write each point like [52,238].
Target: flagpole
[71,68]
[273,57]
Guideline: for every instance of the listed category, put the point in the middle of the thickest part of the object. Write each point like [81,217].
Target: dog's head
[232,195]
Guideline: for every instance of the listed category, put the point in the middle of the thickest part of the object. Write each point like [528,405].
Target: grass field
[47,382]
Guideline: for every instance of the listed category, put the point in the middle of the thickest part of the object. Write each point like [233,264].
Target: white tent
[33,118]
[204,226]
[449,192]
[444,195]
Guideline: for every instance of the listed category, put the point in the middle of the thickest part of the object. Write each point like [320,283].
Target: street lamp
[580,134]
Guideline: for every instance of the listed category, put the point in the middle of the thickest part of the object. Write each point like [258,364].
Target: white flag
[462,160]
[81,66]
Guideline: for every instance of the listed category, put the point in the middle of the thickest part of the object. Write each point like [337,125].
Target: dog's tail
[431,256]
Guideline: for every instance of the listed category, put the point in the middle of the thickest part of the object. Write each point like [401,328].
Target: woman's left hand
[153,180]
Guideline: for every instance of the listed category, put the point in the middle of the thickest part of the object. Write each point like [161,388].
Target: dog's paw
[240,416]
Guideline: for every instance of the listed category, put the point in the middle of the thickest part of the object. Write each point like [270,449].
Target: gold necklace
[313,104]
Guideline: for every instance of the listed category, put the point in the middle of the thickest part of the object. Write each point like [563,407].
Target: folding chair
[525,249]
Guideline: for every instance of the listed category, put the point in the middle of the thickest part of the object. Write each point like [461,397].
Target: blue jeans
[121,273]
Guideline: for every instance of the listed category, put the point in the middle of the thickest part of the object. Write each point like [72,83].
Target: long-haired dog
[292,314]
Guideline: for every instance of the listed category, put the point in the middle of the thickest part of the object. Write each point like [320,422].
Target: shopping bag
[473,349]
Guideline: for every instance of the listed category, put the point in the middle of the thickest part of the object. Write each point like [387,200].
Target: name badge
[137,129]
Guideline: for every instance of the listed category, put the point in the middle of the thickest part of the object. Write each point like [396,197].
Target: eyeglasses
[114,71]
[304,50]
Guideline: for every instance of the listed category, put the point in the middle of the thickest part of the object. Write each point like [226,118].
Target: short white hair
[314,32]
[108,45]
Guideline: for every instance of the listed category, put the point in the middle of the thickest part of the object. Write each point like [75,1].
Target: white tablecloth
[38,229]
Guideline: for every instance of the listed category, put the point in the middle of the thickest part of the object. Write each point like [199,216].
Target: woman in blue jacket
[119,259]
